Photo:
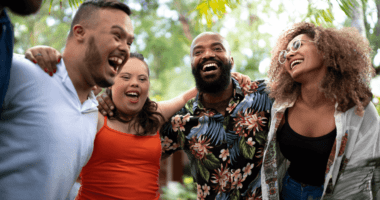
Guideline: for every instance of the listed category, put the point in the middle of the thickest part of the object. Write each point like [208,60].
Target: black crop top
[307,155]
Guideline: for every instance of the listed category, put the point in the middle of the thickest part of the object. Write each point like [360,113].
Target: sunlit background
[164,30]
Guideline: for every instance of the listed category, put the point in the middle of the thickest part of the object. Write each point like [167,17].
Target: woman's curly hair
[148,118]
[346,54]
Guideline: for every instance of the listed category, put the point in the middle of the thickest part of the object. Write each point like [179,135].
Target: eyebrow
[213,44]
[127,73]
[122,30]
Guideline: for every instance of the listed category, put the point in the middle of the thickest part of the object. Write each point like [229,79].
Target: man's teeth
[209,65]
[295,62]
[117,60]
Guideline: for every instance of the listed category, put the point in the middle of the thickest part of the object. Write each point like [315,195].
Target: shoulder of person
[27,80]
[25,66]
[369,119]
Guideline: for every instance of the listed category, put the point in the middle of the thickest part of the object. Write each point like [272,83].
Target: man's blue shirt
[6,52]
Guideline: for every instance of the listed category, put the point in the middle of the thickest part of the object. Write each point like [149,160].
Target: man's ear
[79,32]
[232,62]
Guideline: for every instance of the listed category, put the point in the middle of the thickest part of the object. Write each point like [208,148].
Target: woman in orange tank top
[125,162]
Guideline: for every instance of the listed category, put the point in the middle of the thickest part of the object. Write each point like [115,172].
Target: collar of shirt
[237,95]
[90,105]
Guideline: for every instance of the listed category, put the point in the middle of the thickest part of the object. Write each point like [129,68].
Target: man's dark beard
[93,61]
[217,85]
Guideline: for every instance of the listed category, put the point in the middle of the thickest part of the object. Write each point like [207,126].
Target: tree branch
[184,21]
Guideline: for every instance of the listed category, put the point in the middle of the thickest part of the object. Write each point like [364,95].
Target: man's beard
[93,60]
[216,86]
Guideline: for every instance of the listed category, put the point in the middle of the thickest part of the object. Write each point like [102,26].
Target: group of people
[309,132]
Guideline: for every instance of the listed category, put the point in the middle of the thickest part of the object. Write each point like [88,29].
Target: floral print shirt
[225,152]
[353,167]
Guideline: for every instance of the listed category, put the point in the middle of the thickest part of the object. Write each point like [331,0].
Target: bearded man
[222,130]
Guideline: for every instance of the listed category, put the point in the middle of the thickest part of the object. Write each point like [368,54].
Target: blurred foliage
[164,30]
[185,191]
[377,104]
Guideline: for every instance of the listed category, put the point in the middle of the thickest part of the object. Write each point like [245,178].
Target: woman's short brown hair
[347,55]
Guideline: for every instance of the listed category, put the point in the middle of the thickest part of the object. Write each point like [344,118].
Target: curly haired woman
[324,126]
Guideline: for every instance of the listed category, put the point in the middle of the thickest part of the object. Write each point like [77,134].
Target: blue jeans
[293,190]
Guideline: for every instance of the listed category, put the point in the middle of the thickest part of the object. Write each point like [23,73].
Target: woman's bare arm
[170,107]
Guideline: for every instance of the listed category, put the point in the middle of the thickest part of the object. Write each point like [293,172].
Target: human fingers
[109,103]
[40,56]
[245,79]
[54,57]
[29,56]
[105,104]
[237,76]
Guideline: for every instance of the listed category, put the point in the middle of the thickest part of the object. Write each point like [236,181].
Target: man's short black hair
[88,8]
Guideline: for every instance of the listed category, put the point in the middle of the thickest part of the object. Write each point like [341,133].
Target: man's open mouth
[115,62]
[209,67]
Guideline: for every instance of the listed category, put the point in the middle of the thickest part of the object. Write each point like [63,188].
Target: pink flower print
[249,88]
[221,178]
[330,161]
[177,123]
[199,191]
[165,143]
[209,113]
[239,182]
[255,122]
[206,190]
[199,148]
[165,149]
[174,146]
[250,142]
[231,107]
[251,122]
[259,152]
[343,144]
[235,174]
[224,153]
[247,169]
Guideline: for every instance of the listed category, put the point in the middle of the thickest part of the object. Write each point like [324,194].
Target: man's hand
[46,57]
[241,78]
[105,104]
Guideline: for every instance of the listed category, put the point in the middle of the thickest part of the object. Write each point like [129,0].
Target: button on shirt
[6,51]
[46,134]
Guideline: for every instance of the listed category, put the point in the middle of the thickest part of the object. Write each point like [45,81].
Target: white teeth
[209,65]
[295,62]
[117,60]
[132,93]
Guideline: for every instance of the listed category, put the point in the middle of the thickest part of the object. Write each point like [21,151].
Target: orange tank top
[122,166]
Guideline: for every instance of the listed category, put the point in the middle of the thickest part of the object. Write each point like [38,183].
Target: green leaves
[235,195]
[208,8]
[319,16]
[181,138]
[247,151]
[346,6]
[325,16]
[211,162]
[205,174]
[261,137]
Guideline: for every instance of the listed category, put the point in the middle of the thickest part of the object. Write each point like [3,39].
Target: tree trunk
[357,17]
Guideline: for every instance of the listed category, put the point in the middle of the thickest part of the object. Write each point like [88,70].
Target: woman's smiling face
[306,60]
[131,87]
